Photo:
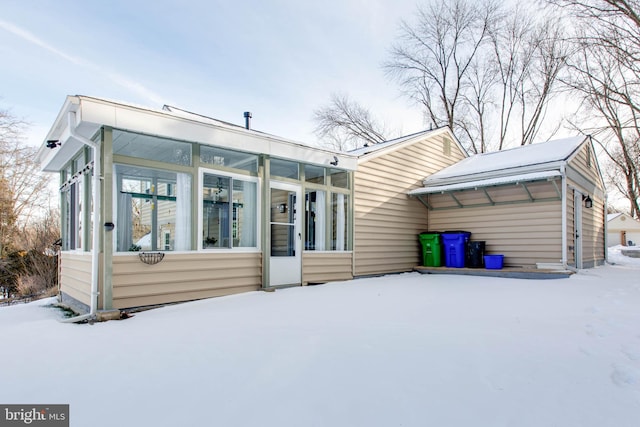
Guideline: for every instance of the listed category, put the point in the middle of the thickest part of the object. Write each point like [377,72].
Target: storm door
[285,260]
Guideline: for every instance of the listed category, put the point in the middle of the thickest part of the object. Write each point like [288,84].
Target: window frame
[258,211]
[75,205]
[155,198]
[329,190]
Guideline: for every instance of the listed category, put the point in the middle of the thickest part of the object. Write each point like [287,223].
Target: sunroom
[190,207]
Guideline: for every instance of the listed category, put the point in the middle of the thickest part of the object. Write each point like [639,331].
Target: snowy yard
[404,350]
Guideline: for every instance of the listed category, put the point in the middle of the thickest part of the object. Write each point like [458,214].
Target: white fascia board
[511,179]
[594,158]
[170,126]
[575,152]
[51,158]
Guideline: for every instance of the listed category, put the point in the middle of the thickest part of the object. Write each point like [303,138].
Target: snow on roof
[526,177]
[613,216]
[376,147]
[505,160]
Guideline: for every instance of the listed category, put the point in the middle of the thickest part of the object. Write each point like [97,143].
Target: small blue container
[493,262]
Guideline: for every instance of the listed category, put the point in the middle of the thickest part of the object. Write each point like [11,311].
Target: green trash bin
[431,249]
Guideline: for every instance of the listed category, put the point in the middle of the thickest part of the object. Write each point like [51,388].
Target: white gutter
[97,190]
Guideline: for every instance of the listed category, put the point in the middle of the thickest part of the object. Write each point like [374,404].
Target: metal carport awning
[522,180]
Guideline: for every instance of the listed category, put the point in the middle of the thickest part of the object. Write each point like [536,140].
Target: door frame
[286,270]
[577,228]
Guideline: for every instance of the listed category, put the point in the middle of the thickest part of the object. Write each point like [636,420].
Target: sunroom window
[151,148]
[326,209]
[315,221]
[284,169]
[228,158]
[229,211]
[72,207]
[339,222]
[153,209]
[75,193]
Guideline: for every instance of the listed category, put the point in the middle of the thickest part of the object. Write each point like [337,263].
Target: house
[622,229]
[190,207]
[540,205]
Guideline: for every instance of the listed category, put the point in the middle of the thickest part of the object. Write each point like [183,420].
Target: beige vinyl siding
[525,233]
[322,267]
[593,234]
[504,194]
[75,276]
[593,219]
[387,221]
[183,277]
[585,162]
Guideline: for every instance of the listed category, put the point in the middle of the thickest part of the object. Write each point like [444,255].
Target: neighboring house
[190,207]
[623,230]
[539,205]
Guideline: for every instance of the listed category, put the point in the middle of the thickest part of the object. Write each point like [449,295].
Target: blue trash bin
[455,248]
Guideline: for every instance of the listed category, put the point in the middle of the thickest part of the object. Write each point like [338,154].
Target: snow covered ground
[401,350]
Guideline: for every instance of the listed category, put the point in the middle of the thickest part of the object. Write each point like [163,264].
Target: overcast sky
[279,59]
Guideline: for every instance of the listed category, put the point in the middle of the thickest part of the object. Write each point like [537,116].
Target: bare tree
[37,240]
[605,72]
[476,112]
[529,55]
[22,186]
[435,53]
[487,71]
[344,124]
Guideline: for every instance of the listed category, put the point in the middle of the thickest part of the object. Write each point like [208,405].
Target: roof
[613,216]
[200,117]
[623,216]
[511,179]
[512,162]
[91,113]
[373,150]
[622,222]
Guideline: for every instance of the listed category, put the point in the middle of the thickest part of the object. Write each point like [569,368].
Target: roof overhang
[526,182]
[93,113]
[488,182]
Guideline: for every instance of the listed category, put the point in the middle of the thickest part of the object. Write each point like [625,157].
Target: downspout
[95,259]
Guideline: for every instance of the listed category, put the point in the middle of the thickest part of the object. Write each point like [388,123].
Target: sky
[279,59]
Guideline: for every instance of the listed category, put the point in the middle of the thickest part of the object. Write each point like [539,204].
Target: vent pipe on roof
[247,119]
